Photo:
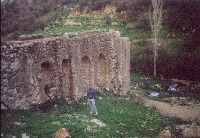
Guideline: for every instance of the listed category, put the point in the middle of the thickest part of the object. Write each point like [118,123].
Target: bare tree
[155,16]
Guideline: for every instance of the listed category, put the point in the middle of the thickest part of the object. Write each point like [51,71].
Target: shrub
[23,15]
[143,22]
[133,8]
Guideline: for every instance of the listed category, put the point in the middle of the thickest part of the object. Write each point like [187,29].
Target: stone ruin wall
[35,71]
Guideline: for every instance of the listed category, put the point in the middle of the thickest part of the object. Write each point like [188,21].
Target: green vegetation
[49,31]
[175,47]
[135,77]
[130,32]
[123,118]
[134,33]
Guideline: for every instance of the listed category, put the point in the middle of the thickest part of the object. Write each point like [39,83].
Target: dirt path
[183,112]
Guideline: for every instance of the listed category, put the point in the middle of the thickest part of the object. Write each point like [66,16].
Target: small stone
[62,133]
[19,124]
[98,122]
[3,107]
[25,136]
[165,134]
[107,89]
[56,123]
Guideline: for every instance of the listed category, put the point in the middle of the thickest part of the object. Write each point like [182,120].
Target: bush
[143,22]
[133,8]
[95,4]
[24,16]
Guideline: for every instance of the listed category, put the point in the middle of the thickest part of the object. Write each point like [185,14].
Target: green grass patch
[175,47]
[134,33]
[135,77]
[123,118]
[127,31]
[49,31]
[167,33]
[83,18]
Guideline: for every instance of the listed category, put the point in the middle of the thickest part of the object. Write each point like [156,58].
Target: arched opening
[101,71]
[86,72]
[46,76]
[66,78]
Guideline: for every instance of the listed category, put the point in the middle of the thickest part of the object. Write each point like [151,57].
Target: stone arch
[66,78]
[86,72]
[46,76]
[101,71]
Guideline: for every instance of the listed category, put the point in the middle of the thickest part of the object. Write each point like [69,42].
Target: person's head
[94,87]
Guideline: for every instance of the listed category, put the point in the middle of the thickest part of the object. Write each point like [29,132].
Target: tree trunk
[155,18]
[155,60]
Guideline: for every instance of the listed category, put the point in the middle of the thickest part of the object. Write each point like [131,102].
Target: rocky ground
[172,106]
[184,107]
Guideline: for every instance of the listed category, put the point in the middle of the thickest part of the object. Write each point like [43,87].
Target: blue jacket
[91,94]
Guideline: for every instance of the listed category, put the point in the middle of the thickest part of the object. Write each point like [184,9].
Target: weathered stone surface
[192,131]
[165,134]
[30,37]
[3,107]
[38,70]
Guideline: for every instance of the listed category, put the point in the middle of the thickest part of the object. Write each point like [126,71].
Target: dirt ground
[185,112]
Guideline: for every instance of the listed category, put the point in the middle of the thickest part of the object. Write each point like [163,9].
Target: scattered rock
[191,132]
[136,87]
[185,82]
[173,87]
[98,122]
[127,98]
[3,107]
[153,94]
[180,101]
[107,89]
[55,105]
[25,136]
[92,128]
[165,133]
[181,127]
[56,123]
[56,113]
[62,133]
[69,102]
[19,124]
[158,86]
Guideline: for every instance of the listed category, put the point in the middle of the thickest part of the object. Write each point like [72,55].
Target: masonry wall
[35,71]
